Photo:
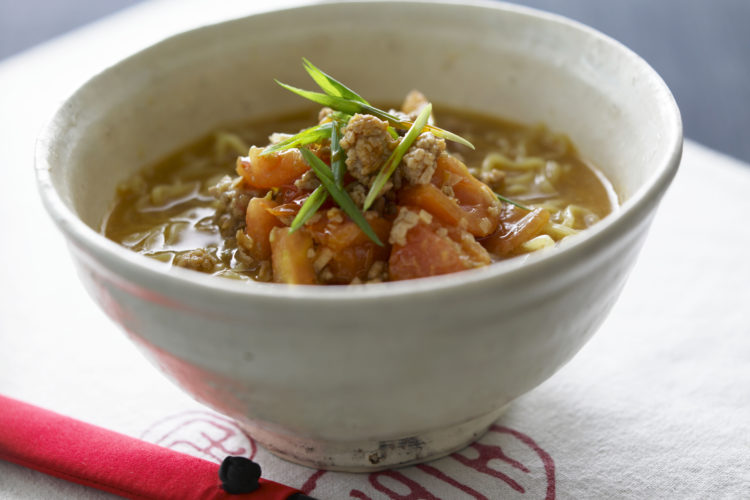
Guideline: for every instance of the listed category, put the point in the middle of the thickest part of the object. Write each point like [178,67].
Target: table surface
[657,405]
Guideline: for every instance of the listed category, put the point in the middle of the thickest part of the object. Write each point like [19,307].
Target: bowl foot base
[370,455]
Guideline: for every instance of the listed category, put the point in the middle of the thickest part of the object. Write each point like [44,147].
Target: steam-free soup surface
[193,210]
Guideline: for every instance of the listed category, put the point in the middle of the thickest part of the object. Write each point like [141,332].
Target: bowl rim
[136,266]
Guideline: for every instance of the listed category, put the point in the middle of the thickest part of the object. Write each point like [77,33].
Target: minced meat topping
[419,163]
[308,181]
[367,144]
[296,215]
[413,104]
[232,198]
[406,220]
[198,260]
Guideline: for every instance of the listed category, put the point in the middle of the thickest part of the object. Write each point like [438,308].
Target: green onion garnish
[310,135]
[309,207]
[345,102]
[338,156]
[330,85]
[439,132]
[338,194]
[319,196]
[390,165]
[333,99]
[514,203]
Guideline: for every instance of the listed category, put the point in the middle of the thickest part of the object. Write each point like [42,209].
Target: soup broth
[192,210]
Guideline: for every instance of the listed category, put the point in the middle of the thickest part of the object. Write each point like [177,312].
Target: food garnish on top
[367,195]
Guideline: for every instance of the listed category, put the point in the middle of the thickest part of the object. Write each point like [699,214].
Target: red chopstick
[96,457]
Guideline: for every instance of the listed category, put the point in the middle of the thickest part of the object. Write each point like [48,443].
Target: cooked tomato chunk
[290,256]
[345,252]
[258,225]
[275,169]
[471,200]
[432,248]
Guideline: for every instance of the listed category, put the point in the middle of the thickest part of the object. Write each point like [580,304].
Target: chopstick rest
[93,456]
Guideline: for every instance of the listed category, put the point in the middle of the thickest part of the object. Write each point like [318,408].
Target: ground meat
[326,276]
[335,215]
[323,114]
[406,220]
[494,178]
[400,115]
[232,199]
[413,104]
[367,144]
[307,181]
[245,245]
[322,258]
[277,137]
[448,191]
[378,272]
[357,192]
[242,261]
[420,161]
[198,260]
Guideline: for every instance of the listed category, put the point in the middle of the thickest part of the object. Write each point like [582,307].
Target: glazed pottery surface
[376,376]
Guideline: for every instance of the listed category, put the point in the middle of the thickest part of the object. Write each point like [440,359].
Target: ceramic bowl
[376,376]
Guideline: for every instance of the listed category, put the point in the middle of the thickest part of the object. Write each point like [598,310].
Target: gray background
[700,47]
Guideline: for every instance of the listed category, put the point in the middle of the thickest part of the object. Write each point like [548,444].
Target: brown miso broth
[172,211]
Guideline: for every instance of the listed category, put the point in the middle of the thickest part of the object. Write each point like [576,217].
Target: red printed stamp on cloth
[505,463]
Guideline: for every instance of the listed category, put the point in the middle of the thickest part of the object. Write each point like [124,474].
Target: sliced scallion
[338,194]
[330,85]
[311,135]
[350,107]
[335,102]
[338,156]
[395,158]
[514,203]
[309,207]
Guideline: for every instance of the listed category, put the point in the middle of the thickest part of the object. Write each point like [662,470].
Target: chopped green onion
[444,134]
[338,156]
[330,85]
[350,107]
[390,165]
[340,117]
[308,136]
[334,102]
[309,207]
[338,194]
[514,203]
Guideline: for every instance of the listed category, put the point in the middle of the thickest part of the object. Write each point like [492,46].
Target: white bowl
[376,376]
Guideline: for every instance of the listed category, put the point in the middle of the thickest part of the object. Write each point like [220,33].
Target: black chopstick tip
[299,496]
[239,475]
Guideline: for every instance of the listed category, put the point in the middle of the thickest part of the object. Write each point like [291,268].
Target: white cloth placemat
[657,405]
